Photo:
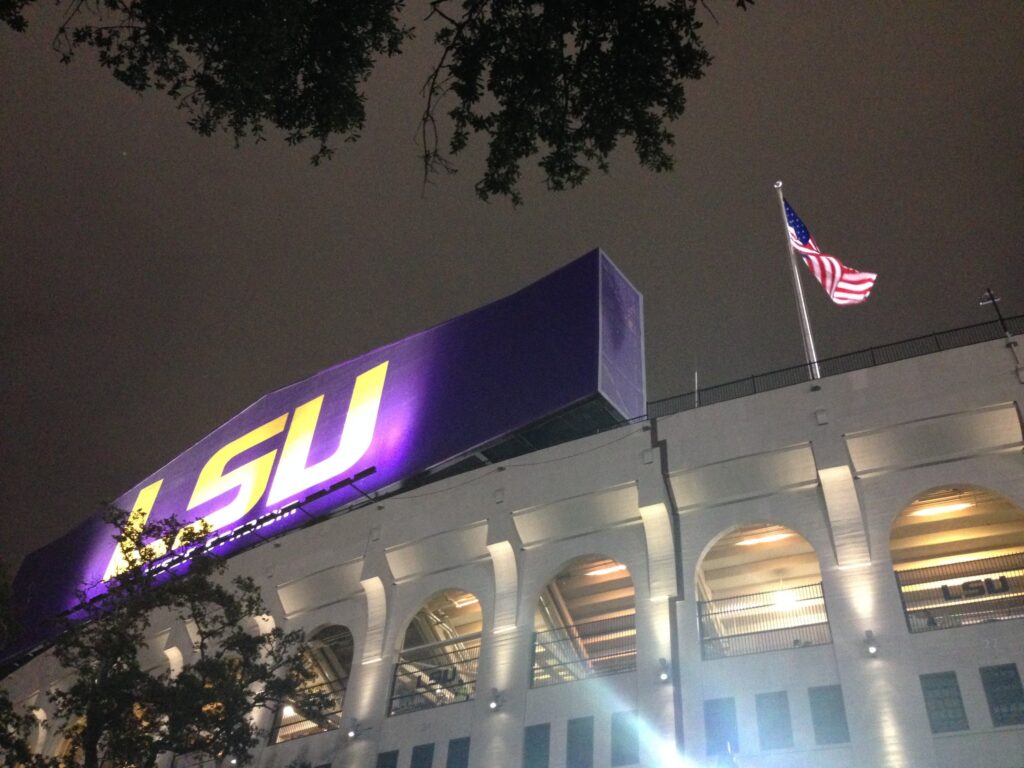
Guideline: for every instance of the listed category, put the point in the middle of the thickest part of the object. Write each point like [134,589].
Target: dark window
[625,739]
[942,700]
[388,759]
[458,753]
[422,756]
[774,727]
[579,744]
[720,726]
[1004,694]
[829,715]
[536,745]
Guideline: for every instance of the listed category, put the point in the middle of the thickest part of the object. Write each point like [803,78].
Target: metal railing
[854,361]
[293,723]
[435,676]
[579,651]
[762,622]
[962,594]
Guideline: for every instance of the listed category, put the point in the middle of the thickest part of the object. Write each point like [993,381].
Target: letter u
[293,476]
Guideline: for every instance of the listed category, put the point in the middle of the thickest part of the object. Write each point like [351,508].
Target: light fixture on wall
[870,643]
[664,670]
[496,701]
[354,729]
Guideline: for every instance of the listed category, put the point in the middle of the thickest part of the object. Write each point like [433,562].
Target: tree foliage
[16,731]
[116,713]
[564,80]
[17,725]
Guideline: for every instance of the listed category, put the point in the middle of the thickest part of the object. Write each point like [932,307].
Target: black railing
[579,651]
[762,622]
[435,675]
[962,594]
[854,361]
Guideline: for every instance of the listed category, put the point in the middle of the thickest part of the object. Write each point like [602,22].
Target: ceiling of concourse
[590,589]
[757,558]
[447,615]
[954,525]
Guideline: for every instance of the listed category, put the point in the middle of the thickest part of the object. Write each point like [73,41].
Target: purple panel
[447,391]
[622,377]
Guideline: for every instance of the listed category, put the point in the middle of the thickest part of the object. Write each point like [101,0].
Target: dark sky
[153,283]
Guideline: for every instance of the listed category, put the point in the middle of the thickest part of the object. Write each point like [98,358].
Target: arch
[175,660]
[585,622]
[39,737]
[329,661]
[958,555]
[376,617]
[437,664]
[64,747]
[759,589]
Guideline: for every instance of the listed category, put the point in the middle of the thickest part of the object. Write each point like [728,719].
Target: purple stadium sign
[384,417]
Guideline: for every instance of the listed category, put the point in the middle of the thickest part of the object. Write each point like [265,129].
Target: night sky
[153,283]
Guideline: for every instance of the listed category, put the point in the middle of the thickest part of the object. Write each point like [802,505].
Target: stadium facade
[829,573]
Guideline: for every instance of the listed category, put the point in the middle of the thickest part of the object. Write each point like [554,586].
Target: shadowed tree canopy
[112,711]
[564,80]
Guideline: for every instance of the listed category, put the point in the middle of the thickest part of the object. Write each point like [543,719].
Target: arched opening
[65,750]
[39,737]
[440,651]
[329,660]
[958,554]
[759,590]
[585,623]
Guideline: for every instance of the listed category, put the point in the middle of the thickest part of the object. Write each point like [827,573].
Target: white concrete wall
[836,463]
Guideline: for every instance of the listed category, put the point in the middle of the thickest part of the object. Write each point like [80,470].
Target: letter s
[250,479]
[973,588]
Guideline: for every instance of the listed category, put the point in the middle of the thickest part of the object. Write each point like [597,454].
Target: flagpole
[805,322]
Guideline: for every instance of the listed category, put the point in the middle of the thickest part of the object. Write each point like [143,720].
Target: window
[828,713]
[942,700]
[439,656]
[579,744]
[585,623]
[720,726]
[758,590]
[625,739]
[422,756]
[774,727]
[1004,694]
[388,759]
[458,753]
[536,745]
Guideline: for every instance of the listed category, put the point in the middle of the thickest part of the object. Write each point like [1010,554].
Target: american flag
[843,284]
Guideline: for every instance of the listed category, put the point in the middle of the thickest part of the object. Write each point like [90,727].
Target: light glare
[766,539]
[606,570]
[941,509]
